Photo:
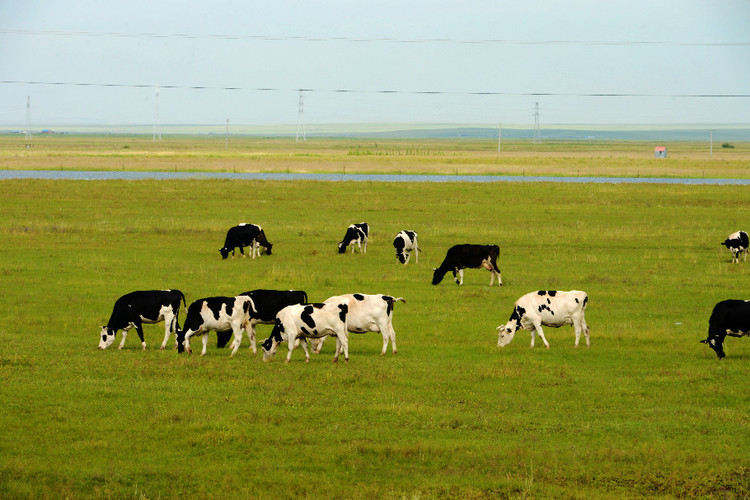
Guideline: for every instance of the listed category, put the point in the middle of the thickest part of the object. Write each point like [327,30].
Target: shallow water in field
[120,175]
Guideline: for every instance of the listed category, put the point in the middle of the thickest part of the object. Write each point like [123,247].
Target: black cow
[356,233]
[405,243]
[471,256]
[737,243]
[245,235]
[729,317]
[268,303]
[217,314]
[135,308]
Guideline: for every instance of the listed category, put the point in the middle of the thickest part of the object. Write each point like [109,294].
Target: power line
[274,38]
[380,91]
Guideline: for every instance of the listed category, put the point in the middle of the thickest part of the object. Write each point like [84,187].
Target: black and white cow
[737,243]
[405,243]
[729,317]
[367,313]
[135,308]
[460,257]
[245,235]
[295,324]
[217,314]
[267,303]
[356,233]
[548,308]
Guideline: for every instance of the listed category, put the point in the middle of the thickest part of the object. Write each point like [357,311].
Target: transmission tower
[537,137]
[301,120]
[27,138]
[157,125]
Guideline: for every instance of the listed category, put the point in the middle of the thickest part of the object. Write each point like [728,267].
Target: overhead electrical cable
[274,38]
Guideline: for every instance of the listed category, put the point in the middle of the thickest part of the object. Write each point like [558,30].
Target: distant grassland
[470,156]
[647,411]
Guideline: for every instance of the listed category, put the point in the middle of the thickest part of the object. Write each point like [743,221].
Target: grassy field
[647,411]
[249,154]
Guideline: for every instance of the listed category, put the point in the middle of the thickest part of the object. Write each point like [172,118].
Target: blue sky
[478,62]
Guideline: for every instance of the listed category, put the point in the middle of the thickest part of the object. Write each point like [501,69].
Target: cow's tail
[391,301]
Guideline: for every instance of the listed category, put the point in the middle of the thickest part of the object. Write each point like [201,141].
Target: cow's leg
[251,338]
[408,255]
[125,334]
[169,322]
[319,345]
[365,245]
[538,328]
[416,254]
[307,352]
[205,342]
[345,344]
[186,341]
[237,334]
[392,334]
[292,340]
[338,349]
[461,276]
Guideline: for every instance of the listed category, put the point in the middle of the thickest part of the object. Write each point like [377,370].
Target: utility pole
[157,126]
[301,120]
[537,137]
[226,136]
[27,138]
[711,142]
[499,137]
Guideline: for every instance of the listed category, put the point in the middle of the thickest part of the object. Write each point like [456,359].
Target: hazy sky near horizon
[386,61]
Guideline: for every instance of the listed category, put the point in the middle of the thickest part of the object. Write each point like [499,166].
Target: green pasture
[647,411]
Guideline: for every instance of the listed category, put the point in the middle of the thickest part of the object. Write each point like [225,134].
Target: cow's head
[180,339]
[508,331]
[268,248]
[106,337]
[342,247]
[400,256]
[437,276]
[715,344]
[224,252]
[271,344]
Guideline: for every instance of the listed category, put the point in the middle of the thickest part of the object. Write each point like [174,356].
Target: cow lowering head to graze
[367,313]
[135,308]
[460,257]
[295,324]
[729,317]
[245,235]
[356,233]
[267,303]
[548,308]
[217,314]
[405,243]
[737,243]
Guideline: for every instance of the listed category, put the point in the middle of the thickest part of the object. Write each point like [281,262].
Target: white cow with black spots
[405,243]
[548,308]
[297,323]
[367,313]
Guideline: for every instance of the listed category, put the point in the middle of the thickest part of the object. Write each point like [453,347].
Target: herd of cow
[296,321]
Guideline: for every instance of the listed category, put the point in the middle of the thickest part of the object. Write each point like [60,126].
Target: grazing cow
[548,308]
[471,256]
[245,235]
[218,314]
[135,308]
[405,243]
[729,317]
[356,233]
[302,321]
[367,313]
[268,303]
[737,243]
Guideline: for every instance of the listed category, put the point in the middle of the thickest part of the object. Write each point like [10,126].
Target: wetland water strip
[91,175]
